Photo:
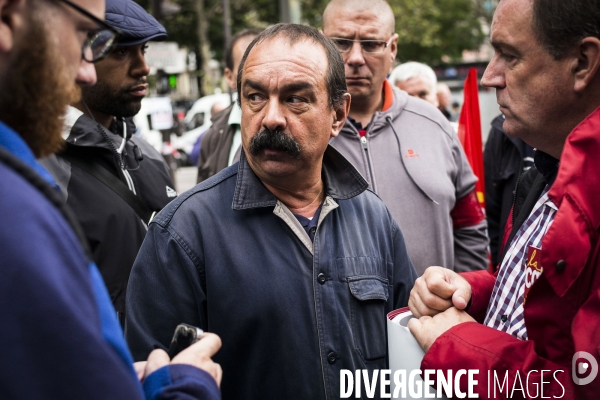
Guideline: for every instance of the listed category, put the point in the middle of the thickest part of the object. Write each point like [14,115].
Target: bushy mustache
[274,140]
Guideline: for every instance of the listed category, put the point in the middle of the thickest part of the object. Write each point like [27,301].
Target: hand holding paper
[427,329]
[438,290]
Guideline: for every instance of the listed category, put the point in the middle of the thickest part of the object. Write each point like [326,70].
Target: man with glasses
[59,332]
[99,131]
[403,146]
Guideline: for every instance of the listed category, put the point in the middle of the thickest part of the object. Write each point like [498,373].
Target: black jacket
[503,164]
[114,231]
[216,145]
[529,188]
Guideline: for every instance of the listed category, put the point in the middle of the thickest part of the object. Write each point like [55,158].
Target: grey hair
[412,69]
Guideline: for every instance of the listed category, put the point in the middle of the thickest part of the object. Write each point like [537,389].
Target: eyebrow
[359,39]
[290,87]
[253,84]
[297,87]
[498,44]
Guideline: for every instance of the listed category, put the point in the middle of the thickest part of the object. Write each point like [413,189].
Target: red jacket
[562,312]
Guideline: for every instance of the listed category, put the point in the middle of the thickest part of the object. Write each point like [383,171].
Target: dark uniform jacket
[229,257]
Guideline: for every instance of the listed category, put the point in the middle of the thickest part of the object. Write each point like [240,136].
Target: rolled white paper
[404,352]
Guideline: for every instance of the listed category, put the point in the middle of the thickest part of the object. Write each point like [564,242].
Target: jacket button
[331,357]
[321,278]
[560,265]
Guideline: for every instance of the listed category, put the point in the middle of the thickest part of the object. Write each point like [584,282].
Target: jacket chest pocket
[367,308]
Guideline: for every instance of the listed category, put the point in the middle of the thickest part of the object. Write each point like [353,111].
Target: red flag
[469,132]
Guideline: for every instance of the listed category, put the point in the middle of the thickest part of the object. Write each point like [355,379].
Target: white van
[198,120]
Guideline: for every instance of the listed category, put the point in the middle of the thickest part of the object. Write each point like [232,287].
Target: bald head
[379,7]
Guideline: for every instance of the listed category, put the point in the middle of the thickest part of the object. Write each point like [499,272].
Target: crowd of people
[333,191]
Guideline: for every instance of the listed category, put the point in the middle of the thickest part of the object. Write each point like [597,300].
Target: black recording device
[137,153]
[185,335]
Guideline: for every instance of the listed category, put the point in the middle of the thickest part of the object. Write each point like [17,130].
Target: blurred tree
[430,29]
[427,29]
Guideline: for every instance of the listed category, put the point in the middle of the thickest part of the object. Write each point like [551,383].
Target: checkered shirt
[505,311]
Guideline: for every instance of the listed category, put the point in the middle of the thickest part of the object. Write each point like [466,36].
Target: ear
[394,47]
[587,64]
[229,76]
[340,115]
[12,18]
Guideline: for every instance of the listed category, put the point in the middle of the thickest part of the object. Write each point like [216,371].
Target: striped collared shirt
[505,310]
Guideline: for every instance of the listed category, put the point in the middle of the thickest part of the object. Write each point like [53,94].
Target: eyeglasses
[367,46]
[99,41]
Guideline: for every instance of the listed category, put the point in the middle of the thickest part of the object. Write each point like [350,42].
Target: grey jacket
[423,163]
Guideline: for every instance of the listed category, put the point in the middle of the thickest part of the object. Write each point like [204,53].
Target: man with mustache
[407,151]
[286,255]
[100,140]
[60,335]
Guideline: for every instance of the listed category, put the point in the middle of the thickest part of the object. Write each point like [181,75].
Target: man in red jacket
[532,328]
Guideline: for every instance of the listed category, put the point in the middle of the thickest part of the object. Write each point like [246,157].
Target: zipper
[121,162]
[129,180]
[365,145]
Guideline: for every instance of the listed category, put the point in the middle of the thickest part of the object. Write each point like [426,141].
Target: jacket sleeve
[180,381]
[482,285]
[164,290]
[470,227]
[498,356]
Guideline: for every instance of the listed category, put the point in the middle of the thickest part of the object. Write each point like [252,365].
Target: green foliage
[430,29]
[427,29]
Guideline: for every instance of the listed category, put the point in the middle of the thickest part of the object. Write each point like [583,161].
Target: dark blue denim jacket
[228,257]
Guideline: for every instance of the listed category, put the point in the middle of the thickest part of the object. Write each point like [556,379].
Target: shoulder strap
[111,181]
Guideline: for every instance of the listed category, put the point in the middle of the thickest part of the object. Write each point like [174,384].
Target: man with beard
[114,212]
[286,255]
[60,336]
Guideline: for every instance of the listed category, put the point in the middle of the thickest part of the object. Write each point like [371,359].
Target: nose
[493,76]
[86,74]
[274,118]
[355,56]
[139,66]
